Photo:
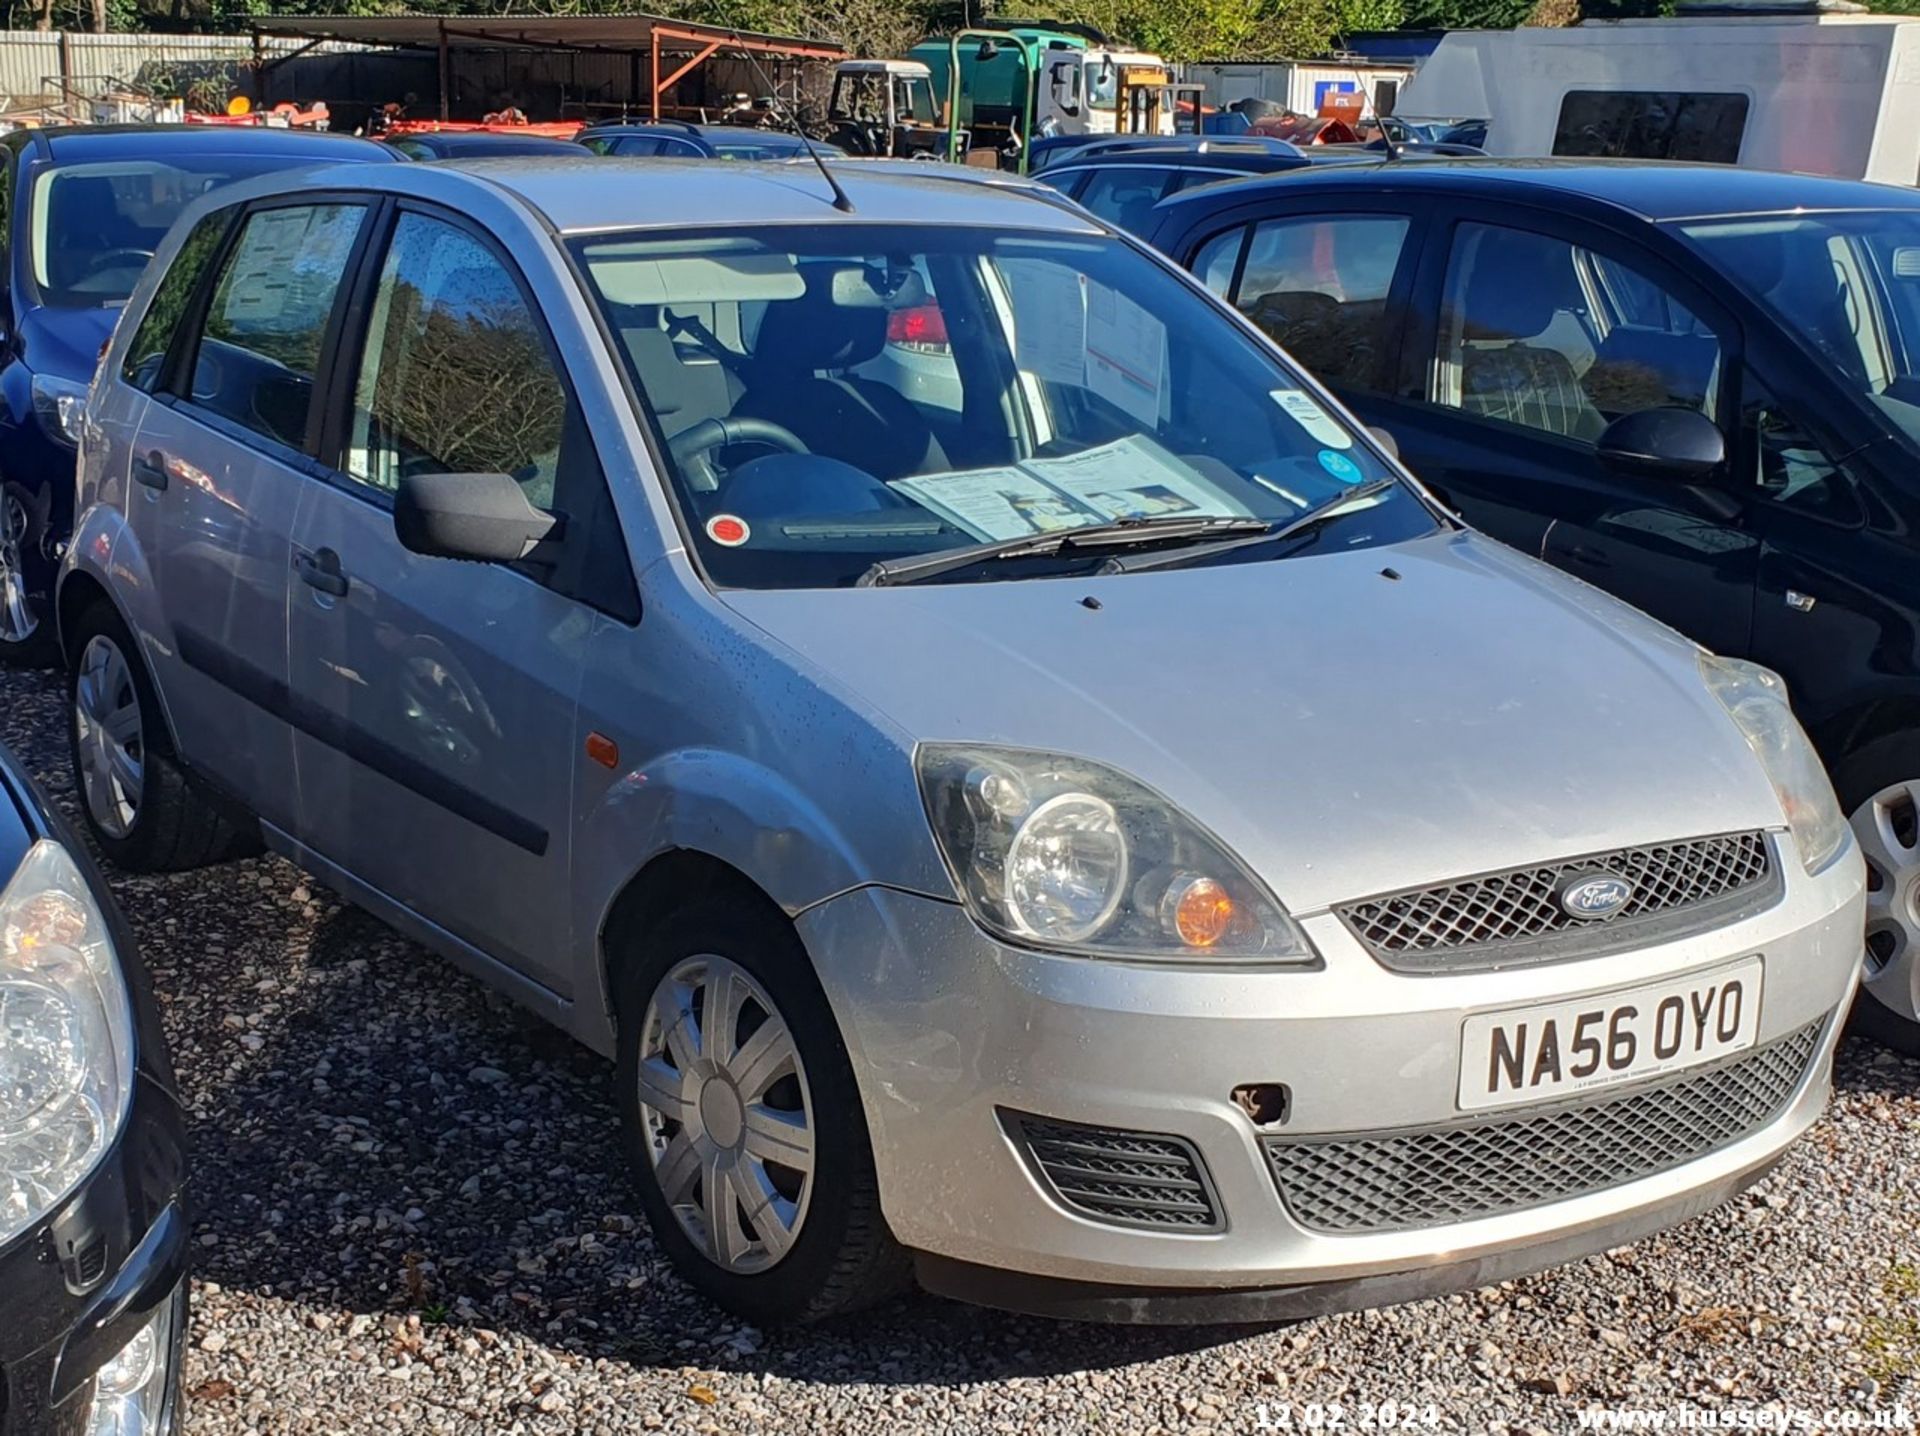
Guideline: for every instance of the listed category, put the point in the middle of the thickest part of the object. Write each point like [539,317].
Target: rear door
[1528,335]
[437,698]
[217,466]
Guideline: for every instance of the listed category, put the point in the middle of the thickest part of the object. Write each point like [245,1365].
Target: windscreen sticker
[728,531]
[1305,410]
[1340,466]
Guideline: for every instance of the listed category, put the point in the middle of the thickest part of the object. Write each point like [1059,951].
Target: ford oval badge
[1592,896]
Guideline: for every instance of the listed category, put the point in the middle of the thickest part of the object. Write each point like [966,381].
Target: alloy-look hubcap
[108,737]
[1888,828]
[17,618]
[727,1113]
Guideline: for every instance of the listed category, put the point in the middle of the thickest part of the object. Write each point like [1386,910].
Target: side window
[1318,286]
[148,351]
[456,377]
[1124,195]
[1542,333]
[1651,125]
[1791,467]
[1214,264]
[260,342]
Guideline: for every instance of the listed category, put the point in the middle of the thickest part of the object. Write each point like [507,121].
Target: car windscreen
[1847,282]
[93,226]
[832,396]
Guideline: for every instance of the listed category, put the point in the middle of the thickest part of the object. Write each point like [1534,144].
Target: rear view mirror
[1384,438]
[482,517]
[1680,444]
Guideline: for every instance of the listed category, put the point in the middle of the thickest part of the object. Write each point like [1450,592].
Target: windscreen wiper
[1121,533]
[1298,524]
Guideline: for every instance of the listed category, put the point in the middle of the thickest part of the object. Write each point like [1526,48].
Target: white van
[1815,91]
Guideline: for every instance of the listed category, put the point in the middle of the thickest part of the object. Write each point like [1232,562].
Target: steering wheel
[709,434]
[118,258]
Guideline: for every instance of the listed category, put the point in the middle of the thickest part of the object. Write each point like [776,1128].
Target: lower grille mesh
[1397,1181]
[1137,1179]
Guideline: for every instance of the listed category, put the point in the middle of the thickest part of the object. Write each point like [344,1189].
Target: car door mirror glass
[485,518]
[1682,444]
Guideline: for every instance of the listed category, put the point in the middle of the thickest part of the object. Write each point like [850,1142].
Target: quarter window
[1551,336]
[1124,195]
[148,351]
[1318,287]
[456,377]
[1793,469]
[260,344]
[1213,266]
[1651,125]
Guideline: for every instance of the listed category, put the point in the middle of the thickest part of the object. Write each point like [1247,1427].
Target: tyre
[743,1122]
[144,812]
[1880,787]
[27,637]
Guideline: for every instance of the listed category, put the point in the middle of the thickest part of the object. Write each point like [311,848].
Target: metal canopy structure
[677,47]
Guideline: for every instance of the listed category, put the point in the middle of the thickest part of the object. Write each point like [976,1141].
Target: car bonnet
[1350,723]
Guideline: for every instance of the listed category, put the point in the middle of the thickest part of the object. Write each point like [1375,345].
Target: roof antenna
[840,200]
[1386,134]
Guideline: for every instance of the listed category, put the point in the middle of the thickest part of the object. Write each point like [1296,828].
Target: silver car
[1109,845]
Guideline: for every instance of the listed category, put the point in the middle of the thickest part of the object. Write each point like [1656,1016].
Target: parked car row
[988,746]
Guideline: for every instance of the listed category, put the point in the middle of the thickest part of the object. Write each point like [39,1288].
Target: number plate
[1530,1054]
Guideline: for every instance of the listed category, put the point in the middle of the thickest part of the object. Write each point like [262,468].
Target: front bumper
[78,1287]
[949,1031]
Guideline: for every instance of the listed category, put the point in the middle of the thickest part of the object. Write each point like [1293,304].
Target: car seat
[1504,374]
[799,377]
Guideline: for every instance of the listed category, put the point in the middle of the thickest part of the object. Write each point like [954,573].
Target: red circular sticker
[728,531]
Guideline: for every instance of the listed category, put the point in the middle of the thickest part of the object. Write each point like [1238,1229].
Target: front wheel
[743,1122]
[26,632]
[1887,826]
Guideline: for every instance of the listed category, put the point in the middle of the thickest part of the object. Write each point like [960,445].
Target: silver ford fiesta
[1028,793]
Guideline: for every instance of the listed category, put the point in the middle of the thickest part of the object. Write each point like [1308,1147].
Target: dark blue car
[1695,386]
[81,212]
[680,139]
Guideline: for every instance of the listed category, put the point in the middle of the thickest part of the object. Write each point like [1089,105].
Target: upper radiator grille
[1517,916]
[1131,1178]
[1397,1180]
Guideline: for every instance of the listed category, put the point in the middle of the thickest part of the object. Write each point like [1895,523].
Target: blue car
[678,139]
[82,211]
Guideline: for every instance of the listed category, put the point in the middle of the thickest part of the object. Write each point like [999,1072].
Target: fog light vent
[1132,1179]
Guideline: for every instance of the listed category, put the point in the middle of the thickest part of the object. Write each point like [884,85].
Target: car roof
[1652,190]
[607,192]
[1245,161]
[488,142]
[79,142]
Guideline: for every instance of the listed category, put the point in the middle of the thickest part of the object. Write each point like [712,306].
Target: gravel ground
[412,1217]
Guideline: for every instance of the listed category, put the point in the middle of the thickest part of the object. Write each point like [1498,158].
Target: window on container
[1652,125]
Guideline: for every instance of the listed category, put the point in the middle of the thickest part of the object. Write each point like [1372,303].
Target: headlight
[1756,699]
[1064,853]
[130,1391]
[62,406]
[66,1037]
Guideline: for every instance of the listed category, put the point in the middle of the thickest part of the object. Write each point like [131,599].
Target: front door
[436,749]
[217,466]
[1525,341]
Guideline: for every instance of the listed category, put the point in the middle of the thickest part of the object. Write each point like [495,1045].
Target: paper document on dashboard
[1128,478]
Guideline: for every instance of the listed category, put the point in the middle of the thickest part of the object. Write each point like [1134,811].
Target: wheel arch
[669,880]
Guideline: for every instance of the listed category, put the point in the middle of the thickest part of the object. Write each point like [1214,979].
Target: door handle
[321,570]
[151,470]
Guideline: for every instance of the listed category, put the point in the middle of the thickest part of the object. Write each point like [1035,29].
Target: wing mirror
[485,518]
[1681,444]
